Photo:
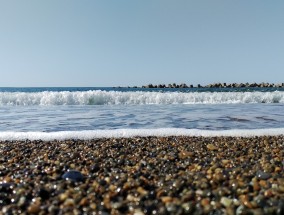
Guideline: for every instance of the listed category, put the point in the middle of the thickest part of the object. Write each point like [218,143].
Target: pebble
[34,208]
[263,175]
[138,212]
[73,175]
[226,201]
[6,187]
[212,147]
[69,202]
[240,210]
[143,175]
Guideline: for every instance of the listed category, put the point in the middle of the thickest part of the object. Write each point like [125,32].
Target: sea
[97,112]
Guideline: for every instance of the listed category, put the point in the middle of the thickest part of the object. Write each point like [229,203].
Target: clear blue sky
[132,42]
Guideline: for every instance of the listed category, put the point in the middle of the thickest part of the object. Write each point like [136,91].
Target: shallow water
[88,109]
[76,118]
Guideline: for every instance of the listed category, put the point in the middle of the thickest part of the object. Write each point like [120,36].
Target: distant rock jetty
[214,85]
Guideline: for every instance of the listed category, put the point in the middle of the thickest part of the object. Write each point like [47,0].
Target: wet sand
[143,175]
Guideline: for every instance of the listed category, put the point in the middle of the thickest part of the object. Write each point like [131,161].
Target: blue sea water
[45,110]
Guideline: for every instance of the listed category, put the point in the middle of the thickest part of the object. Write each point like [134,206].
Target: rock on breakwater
[149,175]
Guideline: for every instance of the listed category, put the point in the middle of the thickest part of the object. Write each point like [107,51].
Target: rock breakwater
[149,175]
[215,85]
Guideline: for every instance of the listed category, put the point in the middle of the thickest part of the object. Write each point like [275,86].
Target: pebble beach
[143,175]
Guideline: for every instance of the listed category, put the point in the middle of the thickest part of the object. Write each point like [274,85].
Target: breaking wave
[100,97]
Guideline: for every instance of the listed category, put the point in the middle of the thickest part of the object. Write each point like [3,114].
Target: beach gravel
[143,175]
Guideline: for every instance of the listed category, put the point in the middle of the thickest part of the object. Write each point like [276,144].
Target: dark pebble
[95,168]
[280,209]
[263,175]
[6,187]
[102,182]
[43,194]
[73,175]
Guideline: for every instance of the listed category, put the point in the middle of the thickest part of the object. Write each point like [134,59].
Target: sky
[101,43]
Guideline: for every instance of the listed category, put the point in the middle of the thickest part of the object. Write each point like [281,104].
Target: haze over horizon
[127,43]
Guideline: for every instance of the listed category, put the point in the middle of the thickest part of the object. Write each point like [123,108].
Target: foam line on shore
[127,133]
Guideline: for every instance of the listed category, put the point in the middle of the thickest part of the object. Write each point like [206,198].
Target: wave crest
[98,97]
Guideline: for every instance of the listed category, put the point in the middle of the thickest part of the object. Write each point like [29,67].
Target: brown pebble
[255,185]
[263,183]
[211,147]
[166,199]
[83,202]
[225,161]
[230,210]
[185,154]
[142,191]
[69,202]
[278,169]
[34,208]
[205,202]
[245,200]
[93,206]
[281,188]
[268,193]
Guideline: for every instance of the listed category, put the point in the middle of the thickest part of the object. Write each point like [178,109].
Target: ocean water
[60,113]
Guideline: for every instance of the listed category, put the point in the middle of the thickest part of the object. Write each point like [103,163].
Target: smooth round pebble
[263,175]
[73,175]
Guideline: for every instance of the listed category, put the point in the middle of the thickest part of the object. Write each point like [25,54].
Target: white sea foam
[86,135]
[99,97]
